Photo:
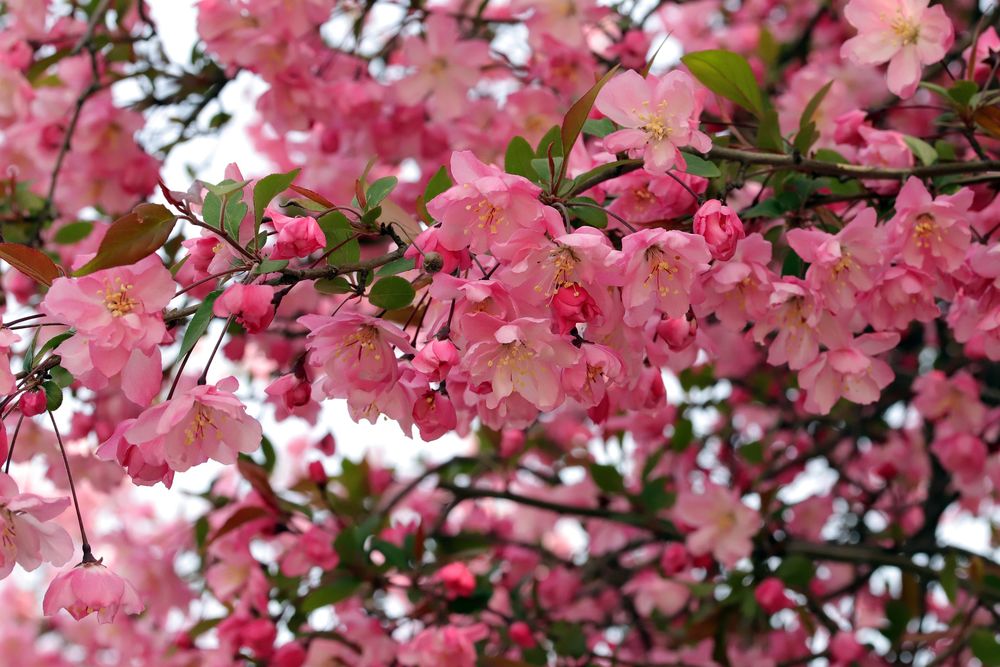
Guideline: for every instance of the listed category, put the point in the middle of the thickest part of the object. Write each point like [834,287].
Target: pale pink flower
[434,414]
[202,423]
[251,304]
[905,33]
[642,197]
[587,381]
[721,228]
[739,290]
[660,271]
[487,207]
[91,588]
[660,116]
[850,371]
[723,525]
[930,233]
[144,464]
[796,312]
[950,401]
[297,237]
[883,148]
[354,352]
[7,338]
[438,646]
[28,536]
[445,67]
[436,359]
[901,295]
[964,456]
[652,592]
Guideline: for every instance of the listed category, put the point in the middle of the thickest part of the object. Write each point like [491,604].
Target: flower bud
[721,228]
[32,403]
[677,332]
[770,595]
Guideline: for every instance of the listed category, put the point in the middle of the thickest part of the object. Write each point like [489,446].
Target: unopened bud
[433,262]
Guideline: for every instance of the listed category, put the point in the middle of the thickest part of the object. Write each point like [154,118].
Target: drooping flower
[723,525]
[660,116]
[91,588]
[905,33]
[205,422]
[28,536]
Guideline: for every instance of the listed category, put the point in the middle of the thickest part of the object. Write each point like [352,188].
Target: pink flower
[27,534]
[660,116]
[723,525]
[652,592]
[930,233]
[642,197]
[434,414]
[905,33]
[964,456]
[883,148]
[251,304]
[571,305]
[297,237]
[677,332]
[445,67]
[739,290]
[487,207]
[90,588]
[796,313]
[354,352]
[953,402]
[721,228]
[7,381]
[844,264]
[520,358]
[436,359]
[117,314]
[458,581]
[438,646]
[901,295]
[32,403]
[850,371]
[206,422]
[770,595]
[427,244]
[660,270]
[144,464]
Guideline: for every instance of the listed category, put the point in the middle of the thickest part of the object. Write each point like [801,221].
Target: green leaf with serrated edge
[699,166]
[236,210]
[74,232]
[517,159]
[379,190]
[391,293]
[727,74]
[577,115]
[199,324]
[340,235]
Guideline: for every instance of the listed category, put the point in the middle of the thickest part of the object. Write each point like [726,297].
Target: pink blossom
[572,305]
[445,67]
[660,270]
[297,237]
[314,548]
[145,464]
[642,197]
[427,244]
[963,455]
[953,401]
[796,313]
[353,352]
[91,588]
[436,359]
[7,338]
[739,290]
[677,332]
[434,414]
[458,581]
[901,295]
[32,403]
[721,228]
[487,207]
[723,525]
[660,116]
[905,33]
[251,304]
[205,422]
[930,233]
[28,534]
[445,645]
[850,371]
[770,595]
[883,148]
[653,592]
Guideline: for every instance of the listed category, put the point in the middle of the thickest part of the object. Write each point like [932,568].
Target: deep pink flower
[458,581]
[905,33]
[571,305]
[770,595]
[297,237]
[28,534]
[660,116]
[32,403]
[739,290]
[205,422]
[721,228]
[251,304]
[91,588]
[434,414]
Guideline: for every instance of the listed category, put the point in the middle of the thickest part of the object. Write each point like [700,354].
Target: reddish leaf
[132,237]
[240,517]
[33,263]
[577,115]
[258,479]
[988,118]
[314,196]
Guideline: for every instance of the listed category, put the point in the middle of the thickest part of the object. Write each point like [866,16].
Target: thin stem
[13,441]
[87,557]
[204,374]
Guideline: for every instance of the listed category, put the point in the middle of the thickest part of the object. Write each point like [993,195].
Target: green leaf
[270,266]
[807,134]
[131,238]
[753,452]
[266,190]
[331,593]
[948,579]
[793,265]
[607,478]
[591,216]
[598,127]
[921,149]
[517,159]
[727,74]
[53,395]
[53,343]
[336,285]
[211,211]
[439,182]
[796,571]
[396,266]
[379,190]
[542,169]
[830,155]
[74,232]
[577,115]
[985,647]
[769,133]
[962,91]
[236,210]
[61,376]
[550,138]
[339,233]
[226,187]
[391,293]
[199,324]
[699,166]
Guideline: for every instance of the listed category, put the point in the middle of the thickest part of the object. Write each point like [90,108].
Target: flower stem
[87,555]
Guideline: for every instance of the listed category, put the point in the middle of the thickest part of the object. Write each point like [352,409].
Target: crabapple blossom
[91,588]
[721,228]
[26,535]
[660,271]
[722,525]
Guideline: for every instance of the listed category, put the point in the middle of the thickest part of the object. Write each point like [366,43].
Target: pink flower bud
[251,304]
[435,359]
[297,237]
[457,579]
[32,403]
[721,228]
[571,305]
[317,473]
[677,332]
[327,445]
[674,558]
[520,634]
[770,595]
[511,441]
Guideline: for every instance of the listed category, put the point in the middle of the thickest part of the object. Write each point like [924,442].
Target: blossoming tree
[711,290]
